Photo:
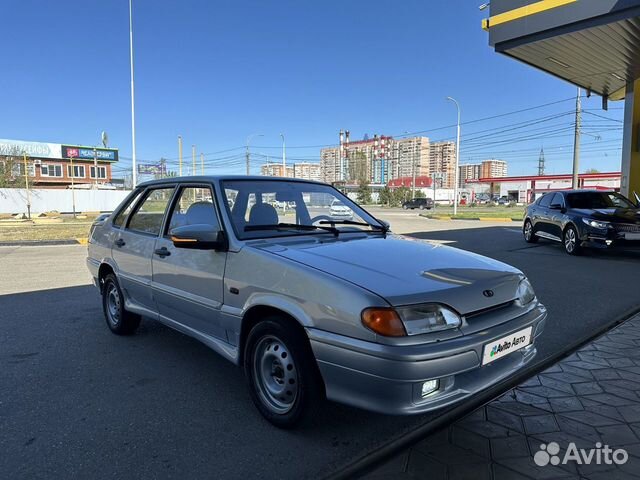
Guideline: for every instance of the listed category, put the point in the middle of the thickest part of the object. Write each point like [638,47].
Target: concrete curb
[43,243]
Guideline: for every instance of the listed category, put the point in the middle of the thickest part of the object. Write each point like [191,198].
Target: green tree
[364,192]
[384,197]
[592,170]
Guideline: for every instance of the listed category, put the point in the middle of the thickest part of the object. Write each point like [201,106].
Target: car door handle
[120,243]
[162,252]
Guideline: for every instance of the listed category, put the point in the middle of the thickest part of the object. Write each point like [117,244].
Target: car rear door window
[126,210]
[148,217]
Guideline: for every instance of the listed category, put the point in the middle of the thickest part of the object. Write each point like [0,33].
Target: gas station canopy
[594,44]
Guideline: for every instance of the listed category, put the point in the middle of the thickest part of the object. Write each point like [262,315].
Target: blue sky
[217,71]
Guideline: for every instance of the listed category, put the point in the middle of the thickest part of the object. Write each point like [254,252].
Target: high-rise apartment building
[493,169]
[275,170]
[487,169]
[442,161]
[376,160]
[307,171]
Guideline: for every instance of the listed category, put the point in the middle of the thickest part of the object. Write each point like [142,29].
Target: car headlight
[426,318]
[525,294]
[596,223]
[411,320]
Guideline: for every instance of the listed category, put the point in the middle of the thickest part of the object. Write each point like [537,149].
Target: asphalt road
[79,402]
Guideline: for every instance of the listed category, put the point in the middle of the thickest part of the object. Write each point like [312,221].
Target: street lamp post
[248,155]
[133,116]
[456,173]
[284,157]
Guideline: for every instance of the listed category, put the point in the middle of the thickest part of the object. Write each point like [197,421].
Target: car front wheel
[284,381]
[527,231]
[119,321]
[405,207]
[571,241]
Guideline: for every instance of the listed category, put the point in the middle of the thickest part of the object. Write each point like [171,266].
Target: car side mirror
[199,237]
[555,206]
[386,224]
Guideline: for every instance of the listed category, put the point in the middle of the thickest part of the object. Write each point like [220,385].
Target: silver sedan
[310,305]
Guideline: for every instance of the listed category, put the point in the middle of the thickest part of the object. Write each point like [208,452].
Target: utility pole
[201,163]
[576,142]
[133,116]
[179,156]
[541,163]
[248,155]
[95,167]
[193,157]
[26,182]
[413,170]
[456,172]
[284,157]
[73,189]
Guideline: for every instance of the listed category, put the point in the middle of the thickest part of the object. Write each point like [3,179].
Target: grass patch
[68,230]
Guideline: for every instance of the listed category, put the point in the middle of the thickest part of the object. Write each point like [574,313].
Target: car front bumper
[595,238]
[388,379]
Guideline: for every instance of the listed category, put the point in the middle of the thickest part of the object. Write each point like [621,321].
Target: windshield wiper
[379,228]
[291,226]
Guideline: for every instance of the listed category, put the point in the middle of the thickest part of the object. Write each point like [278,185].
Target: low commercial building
[525,189]
[55,165]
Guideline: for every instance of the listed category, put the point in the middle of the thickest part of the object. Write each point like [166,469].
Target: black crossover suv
[420,203]
[583,218]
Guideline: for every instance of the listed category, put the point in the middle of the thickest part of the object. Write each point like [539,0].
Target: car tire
[529,234]
[571,241]
[284,381]
[405,207]
[119,320]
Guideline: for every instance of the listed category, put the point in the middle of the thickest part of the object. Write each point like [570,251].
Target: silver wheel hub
[570,240]
[113,304]
[275,374]
[527,231]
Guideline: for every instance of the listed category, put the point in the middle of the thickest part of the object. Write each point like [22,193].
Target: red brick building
[54,165]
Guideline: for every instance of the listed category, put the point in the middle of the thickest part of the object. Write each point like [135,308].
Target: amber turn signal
[383,321]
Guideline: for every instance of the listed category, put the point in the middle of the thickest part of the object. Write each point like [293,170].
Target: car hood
[618,215]
[407,271]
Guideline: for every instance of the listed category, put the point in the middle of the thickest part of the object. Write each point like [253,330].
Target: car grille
[484,311]
[627,228]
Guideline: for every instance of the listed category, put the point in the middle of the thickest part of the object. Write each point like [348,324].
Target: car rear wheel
[284,381]
[405,207]
[571,241]
[529,234]
[119,321]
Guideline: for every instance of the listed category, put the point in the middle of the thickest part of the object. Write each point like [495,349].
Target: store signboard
[87,153]
[31,149]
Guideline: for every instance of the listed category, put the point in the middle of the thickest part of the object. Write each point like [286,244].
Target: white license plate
[506,345]
[632,236]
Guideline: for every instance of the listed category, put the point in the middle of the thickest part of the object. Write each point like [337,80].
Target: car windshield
[593,200]
[276,208]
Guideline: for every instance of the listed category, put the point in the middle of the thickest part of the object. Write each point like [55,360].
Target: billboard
[87,153]
[152,168]
[32,149]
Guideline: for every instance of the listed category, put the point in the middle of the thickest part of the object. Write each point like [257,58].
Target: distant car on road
[311,306]
[421,203]
[583,218]
[339,210]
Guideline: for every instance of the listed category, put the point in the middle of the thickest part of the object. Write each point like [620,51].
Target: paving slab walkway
[590,400]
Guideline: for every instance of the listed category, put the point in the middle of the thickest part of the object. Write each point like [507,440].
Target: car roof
[216,178]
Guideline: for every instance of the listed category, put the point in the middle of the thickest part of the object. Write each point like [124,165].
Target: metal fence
[14,200]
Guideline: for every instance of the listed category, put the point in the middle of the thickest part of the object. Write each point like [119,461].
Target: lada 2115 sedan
[312,306]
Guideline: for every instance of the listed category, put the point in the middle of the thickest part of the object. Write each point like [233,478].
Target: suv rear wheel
[119,321]
[284,381]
